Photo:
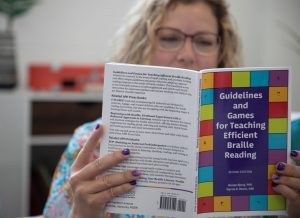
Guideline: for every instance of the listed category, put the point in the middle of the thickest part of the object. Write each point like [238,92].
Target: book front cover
[244,123]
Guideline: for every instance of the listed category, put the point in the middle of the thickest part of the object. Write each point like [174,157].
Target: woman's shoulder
[295,131]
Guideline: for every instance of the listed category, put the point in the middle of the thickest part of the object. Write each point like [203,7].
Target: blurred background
[51,65]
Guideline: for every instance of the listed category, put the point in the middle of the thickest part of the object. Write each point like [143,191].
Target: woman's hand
[287,183]
[91,189]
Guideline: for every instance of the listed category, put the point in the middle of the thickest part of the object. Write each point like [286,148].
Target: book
[207,142]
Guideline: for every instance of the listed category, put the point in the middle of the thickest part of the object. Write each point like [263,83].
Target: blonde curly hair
[135,39]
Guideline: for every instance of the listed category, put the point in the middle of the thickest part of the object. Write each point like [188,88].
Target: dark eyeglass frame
[191,36]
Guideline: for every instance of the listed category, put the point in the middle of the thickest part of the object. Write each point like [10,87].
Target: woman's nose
[187,52]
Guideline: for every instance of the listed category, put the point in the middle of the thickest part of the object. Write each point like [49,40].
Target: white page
[145,110]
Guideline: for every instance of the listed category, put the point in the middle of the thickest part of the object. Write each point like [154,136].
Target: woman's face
[187,20]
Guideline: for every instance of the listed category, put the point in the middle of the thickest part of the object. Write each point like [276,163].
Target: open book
[206,142]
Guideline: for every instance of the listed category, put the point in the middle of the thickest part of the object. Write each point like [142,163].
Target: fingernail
[294,153]
[275,176]
[97,127]
[136,173]
[274,184]
[133,182]
[280,166]
[126,151]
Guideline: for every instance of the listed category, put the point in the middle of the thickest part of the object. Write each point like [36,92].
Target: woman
[193,34]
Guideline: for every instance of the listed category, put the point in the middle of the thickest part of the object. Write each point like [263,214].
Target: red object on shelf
[44,77]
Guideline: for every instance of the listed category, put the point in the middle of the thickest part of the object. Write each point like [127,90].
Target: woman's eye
[169,38]
[203,43]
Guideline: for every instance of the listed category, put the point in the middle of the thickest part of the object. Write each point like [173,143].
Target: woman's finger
[286,191]
[109,194]
[295,155]
[109,181]
[288,169]
[87,151]
[100,165]
[292,182]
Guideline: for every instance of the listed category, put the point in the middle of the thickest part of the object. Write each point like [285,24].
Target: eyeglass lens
[173,40]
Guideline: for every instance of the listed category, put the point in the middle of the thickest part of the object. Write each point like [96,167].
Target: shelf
[66,96]
[52,120]
[53,140]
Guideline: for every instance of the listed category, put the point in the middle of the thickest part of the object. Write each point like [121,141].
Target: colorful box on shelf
[47,77]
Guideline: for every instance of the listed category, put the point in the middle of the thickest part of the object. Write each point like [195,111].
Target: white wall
[266,41]
[60,31]
[78,31]
[68,31]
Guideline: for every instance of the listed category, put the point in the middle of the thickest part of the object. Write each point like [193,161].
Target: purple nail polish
[275,176]
[280,167]
[294,153]
[136,173]
[133,182]
[274,184]
[126,151]
[97,127]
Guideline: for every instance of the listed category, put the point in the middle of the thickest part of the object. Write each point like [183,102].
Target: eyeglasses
[171,39]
